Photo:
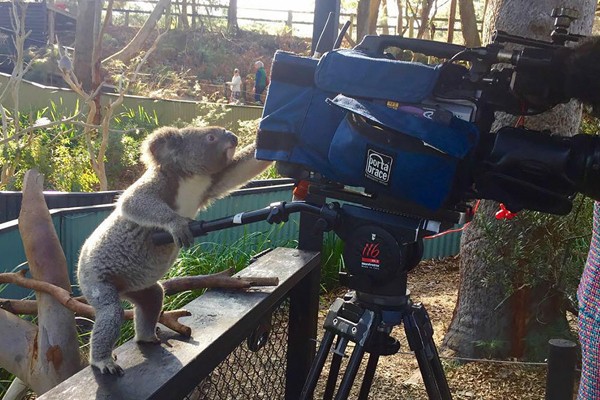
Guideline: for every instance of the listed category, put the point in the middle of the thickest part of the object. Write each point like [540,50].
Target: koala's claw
[181,232]
[108,366]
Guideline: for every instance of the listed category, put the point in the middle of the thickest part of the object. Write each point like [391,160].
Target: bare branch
[32,128]
[222,279]
[168,318]
[71,303]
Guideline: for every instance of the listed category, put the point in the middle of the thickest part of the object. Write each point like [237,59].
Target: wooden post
[290,19]
[451,20]
[168,18]
[194,15]
[51,17]
[561,369]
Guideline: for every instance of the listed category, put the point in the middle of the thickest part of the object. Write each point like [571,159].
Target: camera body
[413,138]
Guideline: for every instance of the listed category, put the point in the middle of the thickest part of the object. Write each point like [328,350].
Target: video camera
[406,145]
[415,139]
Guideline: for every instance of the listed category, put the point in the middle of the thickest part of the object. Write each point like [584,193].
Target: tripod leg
[334,368]
[365,387]
[350,374]
[419,333]
[317,366]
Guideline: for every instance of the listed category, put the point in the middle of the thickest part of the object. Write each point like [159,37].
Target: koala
[185,170]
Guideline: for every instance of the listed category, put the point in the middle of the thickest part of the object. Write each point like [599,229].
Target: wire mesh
[251,373]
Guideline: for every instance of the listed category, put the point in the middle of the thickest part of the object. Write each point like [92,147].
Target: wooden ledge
[220,320]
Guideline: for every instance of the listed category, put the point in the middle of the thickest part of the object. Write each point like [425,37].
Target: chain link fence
[256,369]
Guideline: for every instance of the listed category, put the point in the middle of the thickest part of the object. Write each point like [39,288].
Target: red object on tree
[504,213]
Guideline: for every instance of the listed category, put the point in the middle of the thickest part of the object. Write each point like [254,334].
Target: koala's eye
[210,137]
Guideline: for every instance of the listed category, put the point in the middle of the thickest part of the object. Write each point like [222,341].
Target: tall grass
[332,262]
[206,258]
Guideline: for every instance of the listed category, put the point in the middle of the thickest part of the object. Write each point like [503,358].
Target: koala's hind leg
[148,304]
[107,326]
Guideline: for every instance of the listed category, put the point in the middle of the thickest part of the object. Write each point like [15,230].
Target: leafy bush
[61,154]
[543,249]
[123,153]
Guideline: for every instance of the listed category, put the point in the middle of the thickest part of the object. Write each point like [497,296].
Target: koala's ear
[162,148]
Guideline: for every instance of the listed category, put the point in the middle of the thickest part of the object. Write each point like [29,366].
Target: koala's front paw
[181,232]
[109,366]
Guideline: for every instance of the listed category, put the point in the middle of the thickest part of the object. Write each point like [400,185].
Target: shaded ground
[435,284]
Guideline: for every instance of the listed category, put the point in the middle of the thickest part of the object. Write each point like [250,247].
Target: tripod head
[380,249]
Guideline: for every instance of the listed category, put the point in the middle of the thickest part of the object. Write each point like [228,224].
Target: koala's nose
[232,137]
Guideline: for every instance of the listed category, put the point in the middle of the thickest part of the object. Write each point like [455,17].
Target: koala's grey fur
[186,169]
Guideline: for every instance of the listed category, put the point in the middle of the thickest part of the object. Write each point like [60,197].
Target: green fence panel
[12,255]
[34,96]
[246,200]
[75,228]
[442,246]
[74,225]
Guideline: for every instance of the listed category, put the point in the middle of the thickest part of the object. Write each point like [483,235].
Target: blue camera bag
[358,121]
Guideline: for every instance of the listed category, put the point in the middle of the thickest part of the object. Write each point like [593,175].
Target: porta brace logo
[378,167]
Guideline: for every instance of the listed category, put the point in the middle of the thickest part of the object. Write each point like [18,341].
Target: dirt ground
[435,284]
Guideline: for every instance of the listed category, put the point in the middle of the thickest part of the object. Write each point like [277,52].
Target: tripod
[380,249]
[359,320]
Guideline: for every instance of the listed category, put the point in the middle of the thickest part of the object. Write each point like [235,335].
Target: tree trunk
[424,18]
[373,16]
[183,16]
[468,21]
[504,307]
[384,17]
[400,22]
[232,24]
[84,42]
[134,47]
[451,20]
[44,356]
[362,19]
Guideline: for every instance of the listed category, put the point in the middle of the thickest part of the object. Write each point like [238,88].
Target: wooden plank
[220,320]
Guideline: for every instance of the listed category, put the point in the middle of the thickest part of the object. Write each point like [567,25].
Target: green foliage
[123,153]
[6,379]
[491,348]
[590,124]
[213,114]
[536,341]
[57,151]
[42,68]
[247,131]
[60,152]
[539,249]
[333,248]
[209,258]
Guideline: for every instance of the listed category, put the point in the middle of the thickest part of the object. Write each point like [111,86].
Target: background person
[236,86]
[260,81]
